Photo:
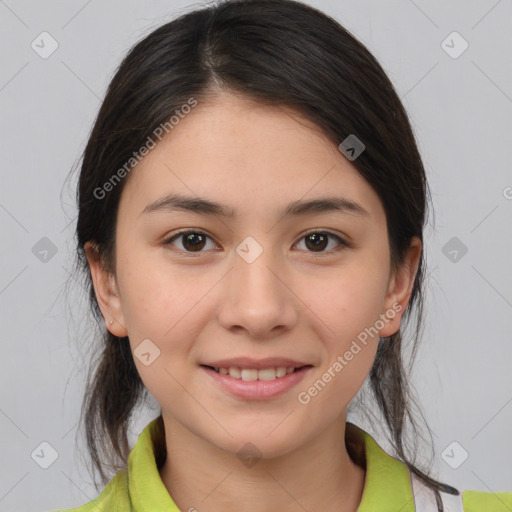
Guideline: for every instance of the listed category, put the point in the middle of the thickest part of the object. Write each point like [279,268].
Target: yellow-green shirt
[387,487]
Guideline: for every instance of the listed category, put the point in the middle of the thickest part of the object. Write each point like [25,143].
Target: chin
[267,440]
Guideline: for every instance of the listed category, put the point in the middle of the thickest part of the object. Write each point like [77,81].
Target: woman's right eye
[191,241]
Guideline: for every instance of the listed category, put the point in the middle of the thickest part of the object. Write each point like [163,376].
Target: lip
[255,364]
[256,389]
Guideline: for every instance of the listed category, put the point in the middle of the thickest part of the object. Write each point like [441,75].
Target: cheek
[347,302]
[168,308]
[154,298]
[348,306]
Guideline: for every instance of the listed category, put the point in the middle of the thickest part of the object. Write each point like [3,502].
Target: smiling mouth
[253,374]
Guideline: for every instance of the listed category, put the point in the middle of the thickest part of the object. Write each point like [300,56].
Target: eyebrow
[203,206]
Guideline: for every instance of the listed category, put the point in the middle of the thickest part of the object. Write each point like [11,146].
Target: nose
[257,298]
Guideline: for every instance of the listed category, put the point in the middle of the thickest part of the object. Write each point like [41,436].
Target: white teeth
[248,374]
[267,374]
[251,374]
[281,371]
[235,373]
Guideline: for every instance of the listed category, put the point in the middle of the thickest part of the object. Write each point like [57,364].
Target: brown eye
[191,241]
[317,241]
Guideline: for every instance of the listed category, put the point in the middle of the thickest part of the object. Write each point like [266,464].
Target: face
[193,289]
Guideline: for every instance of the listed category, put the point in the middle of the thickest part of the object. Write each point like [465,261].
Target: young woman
[251,211]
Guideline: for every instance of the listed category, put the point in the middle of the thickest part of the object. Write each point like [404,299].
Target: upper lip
[258,364]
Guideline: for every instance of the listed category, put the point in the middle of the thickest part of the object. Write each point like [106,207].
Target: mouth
[256,380]
[257,374]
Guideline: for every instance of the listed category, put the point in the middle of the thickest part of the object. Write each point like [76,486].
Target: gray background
[461,110]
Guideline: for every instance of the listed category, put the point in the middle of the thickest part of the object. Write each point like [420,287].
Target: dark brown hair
[277,52]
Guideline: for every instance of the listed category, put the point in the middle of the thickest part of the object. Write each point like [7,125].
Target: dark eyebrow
[202,206]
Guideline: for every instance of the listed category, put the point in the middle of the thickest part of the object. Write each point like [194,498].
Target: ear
[400,288]
[107,294]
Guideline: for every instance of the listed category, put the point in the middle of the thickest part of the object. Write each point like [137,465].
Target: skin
[292,301]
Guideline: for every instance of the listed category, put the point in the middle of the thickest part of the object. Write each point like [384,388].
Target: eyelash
[168,241]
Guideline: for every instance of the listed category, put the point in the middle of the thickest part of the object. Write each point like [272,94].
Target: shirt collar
[387,486]
[147,491]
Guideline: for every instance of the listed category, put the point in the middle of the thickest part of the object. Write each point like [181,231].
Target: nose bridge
[254,266]
[257,299]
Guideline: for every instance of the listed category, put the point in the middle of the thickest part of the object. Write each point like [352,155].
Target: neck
[317,476]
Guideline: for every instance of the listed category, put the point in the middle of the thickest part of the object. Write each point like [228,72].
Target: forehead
[242,154]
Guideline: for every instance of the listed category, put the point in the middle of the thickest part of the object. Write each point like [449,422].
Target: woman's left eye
[194,241]
[319,239]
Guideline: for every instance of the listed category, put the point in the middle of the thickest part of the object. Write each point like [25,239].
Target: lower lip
[258,389]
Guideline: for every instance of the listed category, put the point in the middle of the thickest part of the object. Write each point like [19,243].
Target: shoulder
[478,501]
[138,485]
[389,480]
[113,498]
[466,501]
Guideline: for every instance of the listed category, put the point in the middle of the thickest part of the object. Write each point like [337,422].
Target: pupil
[189,239]
[316,236]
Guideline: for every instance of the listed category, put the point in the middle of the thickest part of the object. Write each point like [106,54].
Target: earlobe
[107,295]
[400,288]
